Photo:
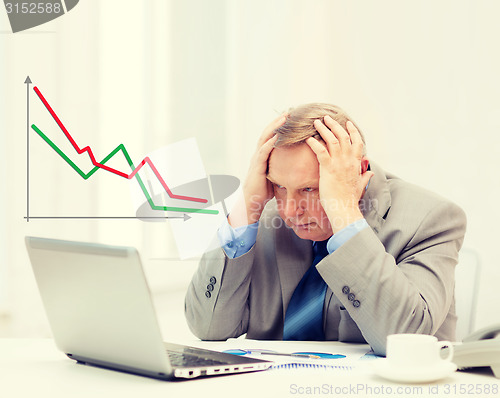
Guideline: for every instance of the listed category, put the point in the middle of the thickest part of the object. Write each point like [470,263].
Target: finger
[357,141]
[332,143]
[269,130]
[263,154]
[340,133]
[319,149]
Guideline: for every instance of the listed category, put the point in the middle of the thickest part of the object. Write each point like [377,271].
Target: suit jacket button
[213,280]
[346,290]
[351,296]
[210,288]
[208,294]
[356,303]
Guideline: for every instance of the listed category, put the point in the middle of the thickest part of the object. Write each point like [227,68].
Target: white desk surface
[34,368]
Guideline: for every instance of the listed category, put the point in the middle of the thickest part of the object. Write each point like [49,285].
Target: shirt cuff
[237,241]
[345,234]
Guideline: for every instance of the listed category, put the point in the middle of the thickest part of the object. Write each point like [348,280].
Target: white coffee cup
[416,350]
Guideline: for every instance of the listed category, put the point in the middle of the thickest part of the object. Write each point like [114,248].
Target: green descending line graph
[101,165]
[119,148]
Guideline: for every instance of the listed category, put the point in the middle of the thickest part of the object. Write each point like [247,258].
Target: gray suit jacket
[395,277]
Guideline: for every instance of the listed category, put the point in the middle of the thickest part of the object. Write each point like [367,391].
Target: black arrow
[27,82]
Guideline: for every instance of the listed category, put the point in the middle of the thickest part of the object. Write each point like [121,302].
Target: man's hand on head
[343,174]
[257,190]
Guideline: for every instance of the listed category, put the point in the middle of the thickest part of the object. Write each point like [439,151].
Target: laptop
[101,313]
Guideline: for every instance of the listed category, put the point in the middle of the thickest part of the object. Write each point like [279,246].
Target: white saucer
[426,374]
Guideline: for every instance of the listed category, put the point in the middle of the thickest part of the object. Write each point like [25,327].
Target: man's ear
[364,164]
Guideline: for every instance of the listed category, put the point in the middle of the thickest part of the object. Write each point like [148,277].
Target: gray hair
[299,124]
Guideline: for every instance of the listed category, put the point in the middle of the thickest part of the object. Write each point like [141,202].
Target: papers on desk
[310,366]
[344,358]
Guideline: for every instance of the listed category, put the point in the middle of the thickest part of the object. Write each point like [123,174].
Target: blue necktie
[304,315]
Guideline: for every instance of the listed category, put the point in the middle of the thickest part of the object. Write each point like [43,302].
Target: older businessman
[325,245]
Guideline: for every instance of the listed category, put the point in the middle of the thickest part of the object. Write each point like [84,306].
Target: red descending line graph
[145,161]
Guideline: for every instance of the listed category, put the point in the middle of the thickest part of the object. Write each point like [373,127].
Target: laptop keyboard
[186,360]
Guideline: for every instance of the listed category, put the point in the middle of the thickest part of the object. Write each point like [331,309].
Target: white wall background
[420,78]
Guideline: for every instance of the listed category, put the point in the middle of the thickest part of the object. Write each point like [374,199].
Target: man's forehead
[296,162]
[292,154]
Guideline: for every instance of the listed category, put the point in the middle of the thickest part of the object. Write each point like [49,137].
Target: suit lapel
[377,199]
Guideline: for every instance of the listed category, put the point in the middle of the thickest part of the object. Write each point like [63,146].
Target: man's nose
[293,207]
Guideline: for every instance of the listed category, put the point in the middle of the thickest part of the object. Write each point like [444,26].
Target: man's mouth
[304,226]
